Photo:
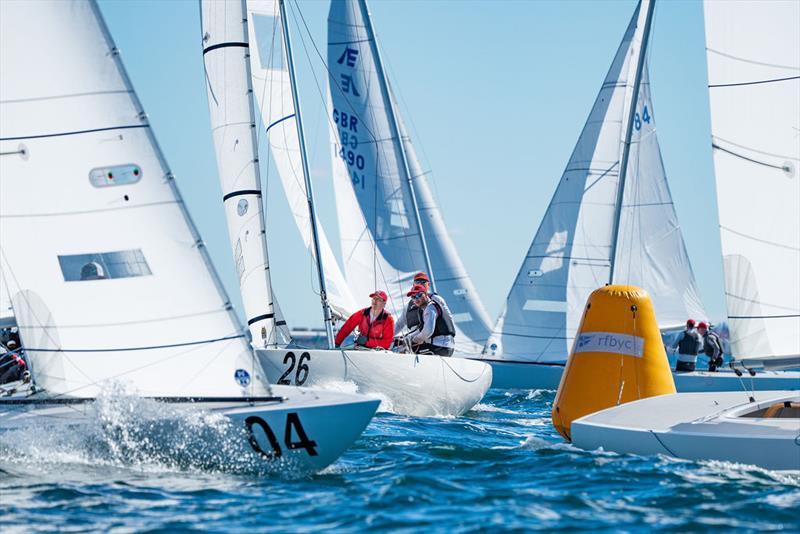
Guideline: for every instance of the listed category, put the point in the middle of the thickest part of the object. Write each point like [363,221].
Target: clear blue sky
[496,94]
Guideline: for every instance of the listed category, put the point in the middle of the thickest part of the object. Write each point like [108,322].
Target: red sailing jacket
[378,334]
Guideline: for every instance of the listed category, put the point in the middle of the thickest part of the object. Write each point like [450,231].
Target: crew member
[437,332]
[712,346]
[12,366]
[689,345]
[413,317]
[375,324]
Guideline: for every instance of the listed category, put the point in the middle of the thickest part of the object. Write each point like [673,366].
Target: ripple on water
[500,466]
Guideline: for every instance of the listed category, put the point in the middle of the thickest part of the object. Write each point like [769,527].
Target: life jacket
[413,316]
[688,343]
[372,331]
[444,322]
[712,346]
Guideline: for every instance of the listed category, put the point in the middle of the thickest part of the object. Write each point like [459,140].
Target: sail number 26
[301,375]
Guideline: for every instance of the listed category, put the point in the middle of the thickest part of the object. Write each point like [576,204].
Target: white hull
[697,426]
[330,421]
[523,375]
[409,384]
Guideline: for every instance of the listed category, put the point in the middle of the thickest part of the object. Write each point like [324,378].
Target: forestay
[272,87]
[570,256]
[382,245]
[109,279]
[753,52]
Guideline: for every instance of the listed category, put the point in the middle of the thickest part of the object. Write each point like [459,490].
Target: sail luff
[626,144]
[226,57]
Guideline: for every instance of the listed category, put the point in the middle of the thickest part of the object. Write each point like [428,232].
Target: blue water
[501,466]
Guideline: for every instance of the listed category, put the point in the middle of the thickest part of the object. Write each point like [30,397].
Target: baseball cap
[421,276]
[703,324]
[380,294]
[690,322]
[416,288]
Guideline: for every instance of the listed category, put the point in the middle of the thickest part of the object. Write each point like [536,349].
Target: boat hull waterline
[533,375]
[296,430]
[409,384]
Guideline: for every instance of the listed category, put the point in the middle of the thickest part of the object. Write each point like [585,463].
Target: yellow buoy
[617,357]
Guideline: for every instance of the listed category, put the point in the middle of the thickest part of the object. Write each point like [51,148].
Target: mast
[626,147]
[396,133]
[323,294]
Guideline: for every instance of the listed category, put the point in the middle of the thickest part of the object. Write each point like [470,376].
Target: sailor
[413,317]
[712,346]
[12,366]
[375,324]
[437,332]
[689,345]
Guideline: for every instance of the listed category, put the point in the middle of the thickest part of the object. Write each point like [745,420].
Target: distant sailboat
[389,224]
[602,226]
[753,52]
[110,283]
[410,384]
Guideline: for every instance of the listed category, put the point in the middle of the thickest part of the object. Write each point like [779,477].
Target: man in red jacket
[375,324]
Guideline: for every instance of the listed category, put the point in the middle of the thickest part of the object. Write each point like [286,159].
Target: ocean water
[500,467]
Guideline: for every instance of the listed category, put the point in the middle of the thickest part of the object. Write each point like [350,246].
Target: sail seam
[147,347]
[56,97]
[787,247]
[763,316]
[75,132]
[84,212]
[731,56]
[757,82]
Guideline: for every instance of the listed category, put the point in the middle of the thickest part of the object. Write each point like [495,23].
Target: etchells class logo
[242,377]
[610,342]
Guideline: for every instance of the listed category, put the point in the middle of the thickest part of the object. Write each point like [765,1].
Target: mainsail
[272,87]
[374,166]
[108,277]
[571,254]
[753,52]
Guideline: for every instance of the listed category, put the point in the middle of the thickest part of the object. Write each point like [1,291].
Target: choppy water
[499,467]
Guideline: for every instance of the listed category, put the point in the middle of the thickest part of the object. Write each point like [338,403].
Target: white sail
[753,53]
[273,91]
[226,54]
[570,256]
[381,241]
[108,278]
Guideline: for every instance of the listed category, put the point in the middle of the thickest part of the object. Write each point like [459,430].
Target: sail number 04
[292,422]
[301,375]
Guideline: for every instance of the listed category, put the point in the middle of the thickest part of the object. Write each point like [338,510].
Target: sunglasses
[420,281]
[418,296]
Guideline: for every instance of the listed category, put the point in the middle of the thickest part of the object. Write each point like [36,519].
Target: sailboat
[411,384]
[611,220]
[109,281]
[753,53]
[389,223]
